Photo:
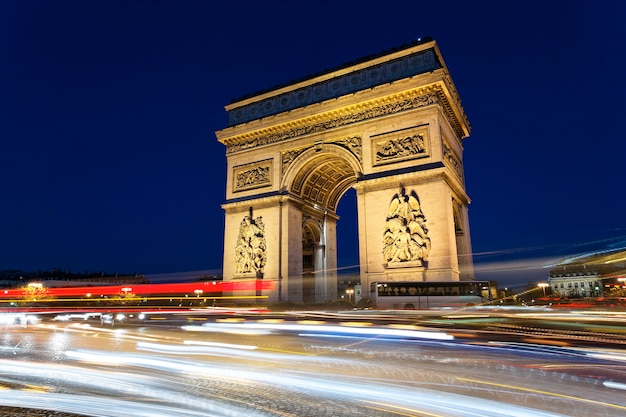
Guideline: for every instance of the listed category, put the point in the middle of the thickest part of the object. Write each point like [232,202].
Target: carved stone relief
[400,145]
[457,209]
[250,253]
[258,174]
[289,156]
[352,144]
[405,238]
[450,158]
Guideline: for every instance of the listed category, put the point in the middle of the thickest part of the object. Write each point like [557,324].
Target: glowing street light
[34,290]
[198,292]
[543,285]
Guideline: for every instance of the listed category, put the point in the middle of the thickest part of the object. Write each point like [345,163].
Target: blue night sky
[108,113]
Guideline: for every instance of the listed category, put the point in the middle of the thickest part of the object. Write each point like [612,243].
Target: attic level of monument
[419,41]
[344,114]
[345,81]
[402,81]
[391,128]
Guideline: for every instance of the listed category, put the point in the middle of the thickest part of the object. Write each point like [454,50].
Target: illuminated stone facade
[390,127]
[591,275]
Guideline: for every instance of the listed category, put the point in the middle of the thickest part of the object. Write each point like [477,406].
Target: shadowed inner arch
[323,180]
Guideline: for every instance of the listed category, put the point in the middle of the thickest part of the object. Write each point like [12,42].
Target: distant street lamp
[198,292]
[349,293]
[34,290]
[543,285]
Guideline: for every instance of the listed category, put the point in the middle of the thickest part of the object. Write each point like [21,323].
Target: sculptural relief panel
[405,238]
[254,175]
[451,159]
[250,253]
[400,145]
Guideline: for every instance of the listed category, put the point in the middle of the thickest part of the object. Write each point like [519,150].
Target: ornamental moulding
[351,144]
[400,104]
[410,179]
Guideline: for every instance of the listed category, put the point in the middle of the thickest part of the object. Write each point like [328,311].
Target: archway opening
[348,234]
[348,266]
[321,182]
[311,257]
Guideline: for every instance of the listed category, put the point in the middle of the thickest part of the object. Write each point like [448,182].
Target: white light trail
[344,330]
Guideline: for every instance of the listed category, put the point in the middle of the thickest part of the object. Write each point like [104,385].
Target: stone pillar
[326,262]
[291,253]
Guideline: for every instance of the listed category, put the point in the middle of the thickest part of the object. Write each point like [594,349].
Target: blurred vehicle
[112,318]
[422,295]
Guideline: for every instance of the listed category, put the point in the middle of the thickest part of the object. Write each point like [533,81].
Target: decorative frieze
[347,118]
[254,175]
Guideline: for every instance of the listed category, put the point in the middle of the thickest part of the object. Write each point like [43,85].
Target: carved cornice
[393,104]
[413,178]
[242,205]
[457,124]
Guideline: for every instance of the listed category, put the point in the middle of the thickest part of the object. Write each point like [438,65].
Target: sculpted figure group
[250,253]
[406,236]
[403,146]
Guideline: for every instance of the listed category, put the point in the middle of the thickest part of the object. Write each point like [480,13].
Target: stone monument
[389,126]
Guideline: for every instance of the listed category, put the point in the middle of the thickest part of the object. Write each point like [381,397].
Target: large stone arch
[390,127]
[321,174]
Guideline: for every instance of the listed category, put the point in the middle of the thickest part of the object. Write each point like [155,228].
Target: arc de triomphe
[391,127]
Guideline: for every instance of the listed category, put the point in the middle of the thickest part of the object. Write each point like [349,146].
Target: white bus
[423,295]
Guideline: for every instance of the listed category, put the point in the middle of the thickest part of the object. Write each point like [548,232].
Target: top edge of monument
[421,56]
